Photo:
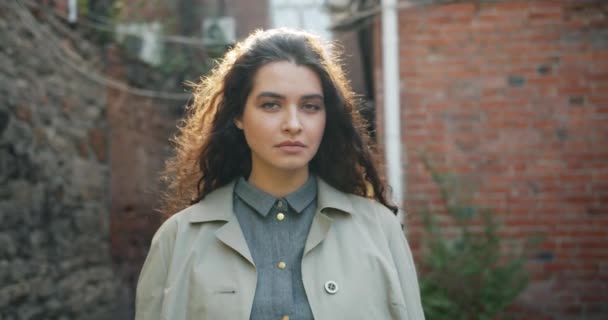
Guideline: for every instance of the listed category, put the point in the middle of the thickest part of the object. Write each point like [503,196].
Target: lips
[291,144]
[291,147]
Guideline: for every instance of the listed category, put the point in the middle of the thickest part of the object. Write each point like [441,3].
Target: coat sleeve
[153,276]
[402,255]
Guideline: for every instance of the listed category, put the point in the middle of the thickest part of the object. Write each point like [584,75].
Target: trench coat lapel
[321,224]
[329,200]
[232,235]
[217,206]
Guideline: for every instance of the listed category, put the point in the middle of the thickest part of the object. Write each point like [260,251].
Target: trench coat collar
[330,197]
[218,206]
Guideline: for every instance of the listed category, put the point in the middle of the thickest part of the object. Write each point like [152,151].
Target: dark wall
[54,174]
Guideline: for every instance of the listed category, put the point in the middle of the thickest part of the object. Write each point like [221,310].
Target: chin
[292,166]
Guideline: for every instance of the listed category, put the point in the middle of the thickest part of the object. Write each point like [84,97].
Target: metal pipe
[72,11]
[392,114]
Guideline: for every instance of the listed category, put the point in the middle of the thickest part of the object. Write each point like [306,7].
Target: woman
[282,214]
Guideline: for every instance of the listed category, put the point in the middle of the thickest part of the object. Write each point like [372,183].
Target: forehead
[286,78]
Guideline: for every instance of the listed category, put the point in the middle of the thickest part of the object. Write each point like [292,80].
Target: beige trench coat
[199,265]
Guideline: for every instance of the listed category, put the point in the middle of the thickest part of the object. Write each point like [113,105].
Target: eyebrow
[278,96]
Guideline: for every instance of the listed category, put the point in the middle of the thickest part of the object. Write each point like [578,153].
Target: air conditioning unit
[143,39]
[219,31]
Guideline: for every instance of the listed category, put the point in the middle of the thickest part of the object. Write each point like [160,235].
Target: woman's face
[284,118]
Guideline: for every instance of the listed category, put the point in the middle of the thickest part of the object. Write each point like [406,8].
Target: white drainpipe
[72,11]
[392,114]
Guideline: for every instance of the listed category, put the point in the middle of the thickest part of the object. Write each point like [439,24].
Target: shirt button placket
[281,265]
[280,215]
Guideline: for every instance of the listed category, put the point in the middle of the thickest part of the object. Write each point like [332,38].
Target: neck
[278,184]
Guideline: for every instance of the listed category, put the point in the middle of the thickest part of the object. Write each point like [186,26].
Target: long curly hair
[211,151]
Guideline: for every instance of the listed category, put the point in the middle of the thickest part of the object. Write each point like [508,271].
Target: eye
[270,105]
[311,107]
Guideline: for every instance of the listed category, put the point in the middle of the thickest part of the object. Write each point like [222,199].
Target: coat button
[282,265]
[280,216]
[285,318]
[331,287]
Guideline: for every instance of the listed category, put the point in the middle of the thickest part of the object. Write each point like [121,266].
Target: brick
[544,14]
[516,6]
[516,81]
[454,9]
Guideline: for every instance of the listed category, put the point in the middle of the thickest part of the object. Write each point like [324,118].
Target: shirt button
[282,265]
[280,216]
[285,318]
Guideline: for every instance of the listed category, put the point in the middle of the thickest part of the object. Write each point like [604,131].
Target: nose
[292,123]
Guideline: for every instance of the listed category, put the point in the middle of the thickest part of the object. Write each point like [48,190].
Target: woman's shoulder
[217,205]
[372,212]
[376,221]
[170,225]
[362,209]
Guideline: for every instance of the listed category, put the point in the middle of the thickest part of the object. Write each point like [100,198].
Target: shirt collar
[217,205]
[262,202]
[301,198]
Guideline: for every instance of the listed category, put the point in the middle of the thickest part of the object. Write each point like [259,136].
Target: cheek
[320,129]
[251,135]
[256,128]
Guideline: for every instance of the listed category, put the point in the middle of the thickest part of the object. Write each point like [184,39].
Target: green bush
[473,274]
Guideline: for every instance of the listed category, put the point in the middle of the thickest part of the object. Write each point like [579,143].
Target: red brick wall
[514,96]
[139,132]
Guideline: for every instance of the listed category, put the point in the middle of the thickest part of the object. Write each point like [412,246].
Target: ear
[238,123]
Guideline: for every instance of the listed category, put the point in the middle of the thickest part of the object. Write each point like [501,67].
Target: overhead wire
[376,9]
[89,72]
[112,29]
[102,24]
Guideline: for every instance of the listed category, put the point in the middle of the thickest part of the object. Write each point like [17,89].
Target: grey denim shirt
[275,230]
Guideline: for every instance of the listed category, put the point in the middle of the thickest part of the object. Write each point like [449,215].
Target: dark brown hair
[211,151]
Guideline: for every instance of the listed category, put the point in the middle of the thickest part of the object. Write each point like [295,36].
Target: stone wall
[512,95]
[54,176]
